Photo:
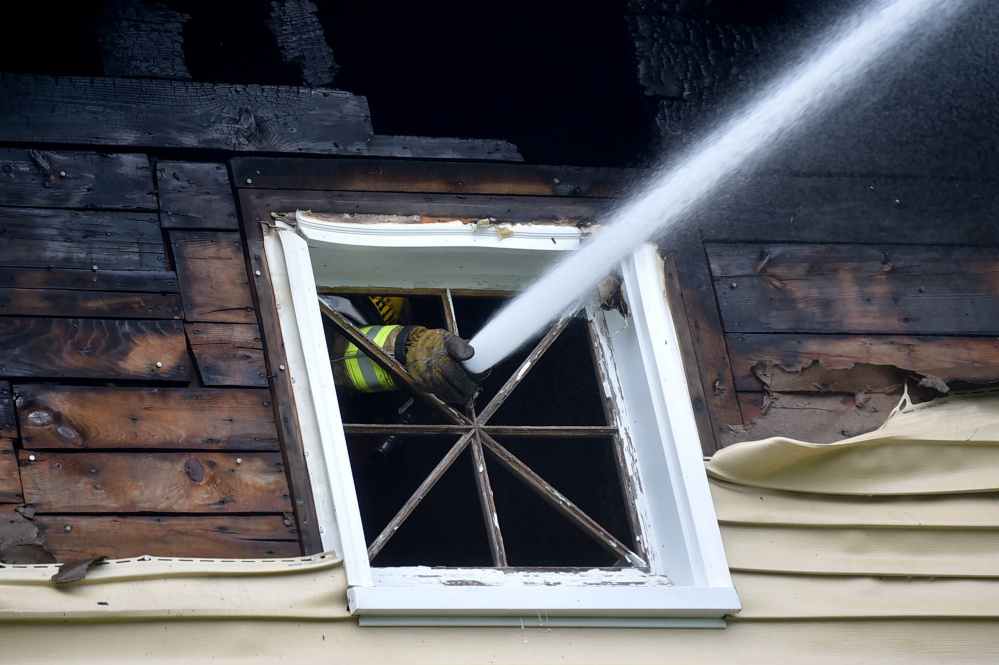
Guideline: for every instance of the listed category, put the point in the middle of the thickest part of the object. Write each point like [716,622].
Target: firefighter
[432,356]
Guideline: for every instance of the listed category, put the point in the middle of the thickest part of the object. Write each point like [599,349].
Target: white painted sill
[687,582]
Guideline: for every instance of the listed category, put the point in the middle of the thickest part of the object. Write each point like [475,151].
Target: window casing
[683,576]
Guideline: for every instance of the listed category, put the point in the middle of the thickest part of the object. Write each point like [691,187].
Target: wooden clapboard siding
[433,147]
[904,290]
[75,482]
[965,358]
[42,238]
[93,349]
[228,354]
[10,479]
[128,281]
[8,418]
[154,418]
[109,304]
[433,206]
[816,417]
[217,537]
[195,196]
[428,177]
[137,112]
[48,179]
[211,270]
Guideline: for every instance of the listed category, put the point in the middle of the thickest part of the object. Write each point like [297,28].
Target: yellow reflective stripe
[366,375]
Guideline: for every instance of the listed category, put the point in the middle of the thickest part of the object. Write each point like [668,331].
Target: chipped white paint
[40,417]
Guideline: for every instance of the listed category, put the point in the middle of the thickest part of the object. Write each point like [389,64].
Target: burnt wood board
[258,204]
[284,397]
[39,348]
[178,536]
[10,478]
[90,240]
[136,112]
[429,177]
[47,179]
[129,281]
[972,359]
[8,417]
[109,304]
[162,418]
[228,354]
[211,270]
[84,482]
[195,196]
[886,289]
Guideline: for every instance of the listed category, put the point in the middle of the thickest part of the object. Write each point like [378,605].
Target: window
[660,559]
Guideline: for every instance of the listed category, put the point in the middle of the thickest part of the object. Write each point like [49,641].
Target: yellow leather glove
[433,359]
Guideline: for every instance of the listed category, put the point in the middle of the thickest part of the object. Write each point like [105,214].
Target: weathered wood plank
[8,417]
[40,238]
[74,482]
[228,354]
[674,293]
[179,114]
[973,359]
[292,447]
[46,179]
[195,196]
[10,477]
[211,270]
[93,349]
[815,418]
[857,288]
[451,206]
[844,208]
[708,340]
[119,537]
[142,40]
[129,281]
[432,147]
[429,177]
[164,418]
[112,304]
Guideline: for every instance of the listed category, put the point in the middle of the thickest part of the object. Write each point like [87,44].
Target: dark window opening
[545,462]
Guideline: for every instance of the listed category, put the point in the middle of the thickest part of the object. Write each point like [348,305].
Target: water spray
[851,50]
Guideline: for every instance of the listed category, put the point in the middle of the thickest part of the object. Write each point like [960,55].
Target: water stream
[836,63]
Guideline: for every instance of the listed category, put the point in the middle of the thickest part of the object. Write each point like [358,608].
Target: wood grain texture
[429,177]
[211,271]
[433,147]
[75,482]
[815,418]
[110,304]
[218,537]
[704,324]
[8,417]
[129,281]
[49,179]
[286,417]
[260,203]
[228,354]
[900,289]
[164,418]
[195,195]
[301,41]
[10,477]
[179,114]
[39,348]
[42,238]
[973,359]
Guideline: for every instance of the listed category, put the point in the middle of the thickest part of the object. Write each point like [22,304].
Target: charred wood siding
[122,448]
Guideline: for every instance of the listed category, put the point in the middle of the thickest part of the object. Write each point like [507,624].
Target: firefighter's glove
[433,359]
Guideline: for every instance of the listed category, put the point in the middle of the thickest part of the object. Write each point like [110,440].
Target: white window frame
[688,581]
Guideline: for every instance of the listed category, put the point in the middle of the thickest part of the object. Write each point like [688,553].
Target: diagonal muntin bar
[559,502]
[418,496]
[518,376]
